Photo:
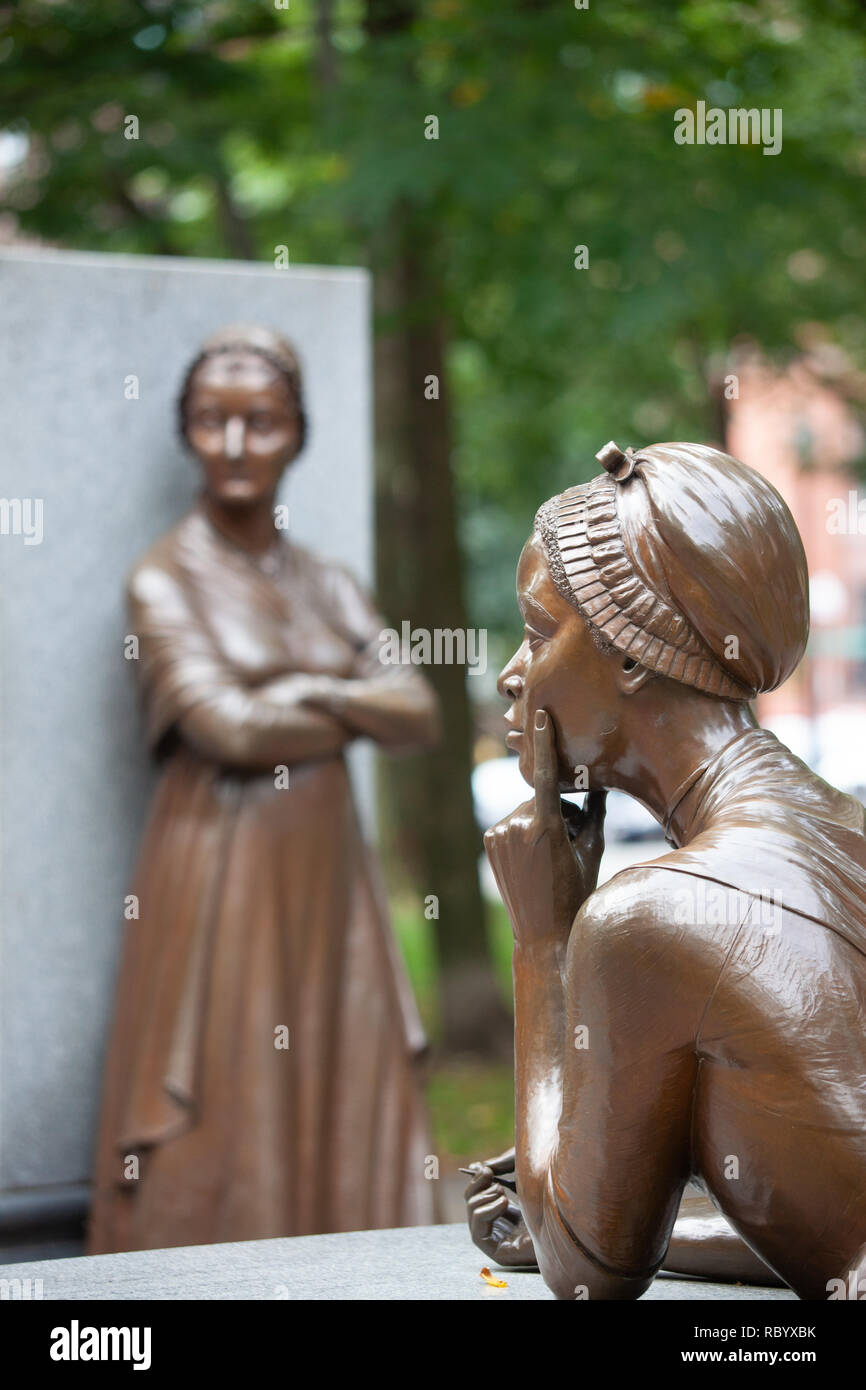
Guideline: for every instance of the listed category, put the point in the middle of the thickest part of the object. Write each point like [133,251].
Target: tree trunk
[429,813]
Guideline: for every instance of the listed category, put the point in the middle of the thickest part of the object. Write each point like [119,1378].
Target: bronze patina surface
[700,1018]
[262,1075]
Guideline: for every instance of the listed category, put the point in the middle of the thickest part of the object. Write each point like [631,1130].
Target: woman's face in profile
[242,425]
[557,668]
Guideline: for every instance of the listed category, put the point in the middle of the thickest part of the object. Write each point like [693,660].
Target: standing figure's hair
[264,342]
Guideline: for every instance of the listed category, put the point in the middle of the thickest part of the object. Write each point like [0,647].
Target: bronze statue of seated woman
[698,1020]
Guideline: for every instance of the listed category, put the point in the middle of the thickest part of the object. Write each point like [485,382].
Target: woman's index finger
[546,772]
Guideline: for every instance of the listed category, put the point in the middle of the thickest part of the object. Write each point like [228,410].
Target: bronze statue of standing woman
[699,1018]
[262,1075]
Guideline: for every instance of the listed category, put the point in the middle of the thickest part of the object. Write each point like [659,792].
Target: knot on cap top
[619,463]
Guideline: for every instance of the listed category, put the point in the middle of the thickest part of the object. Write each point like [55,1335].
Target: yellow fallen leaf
[493,1282]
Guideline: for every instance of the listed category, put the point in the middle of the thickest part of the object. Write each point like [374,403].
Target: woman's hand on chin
[545,856]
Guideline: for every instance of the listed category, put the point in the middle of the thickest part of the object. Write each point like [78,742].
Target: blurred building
[799,427]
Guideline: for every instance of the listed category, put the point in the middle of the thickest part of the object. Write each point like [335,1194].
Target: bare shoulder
[641,896]
[663,920]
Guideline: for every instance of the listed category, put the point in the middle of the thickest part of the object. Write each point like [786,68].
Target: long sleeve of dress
[189,685]
[395,705]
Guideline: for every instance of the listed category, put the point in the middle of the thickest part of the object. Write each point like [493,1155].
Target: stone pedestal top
[435,1263]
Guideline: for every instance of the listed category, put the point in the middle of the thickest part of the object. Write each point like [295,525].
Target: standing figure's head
[242,413]
[674,579]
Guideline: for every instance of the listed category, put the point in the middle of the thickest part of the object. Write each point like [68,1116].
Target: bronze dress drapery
[261,923]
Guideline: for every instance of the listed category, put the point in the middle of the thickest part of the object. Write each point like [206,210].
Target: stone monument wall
[90,475]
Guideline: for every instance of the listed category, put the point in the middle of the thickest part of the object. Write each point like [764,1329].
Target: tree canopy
[261,126]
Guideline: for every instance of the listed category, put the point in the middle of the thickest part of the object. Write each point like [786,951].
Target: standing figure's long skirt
[262,1075]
